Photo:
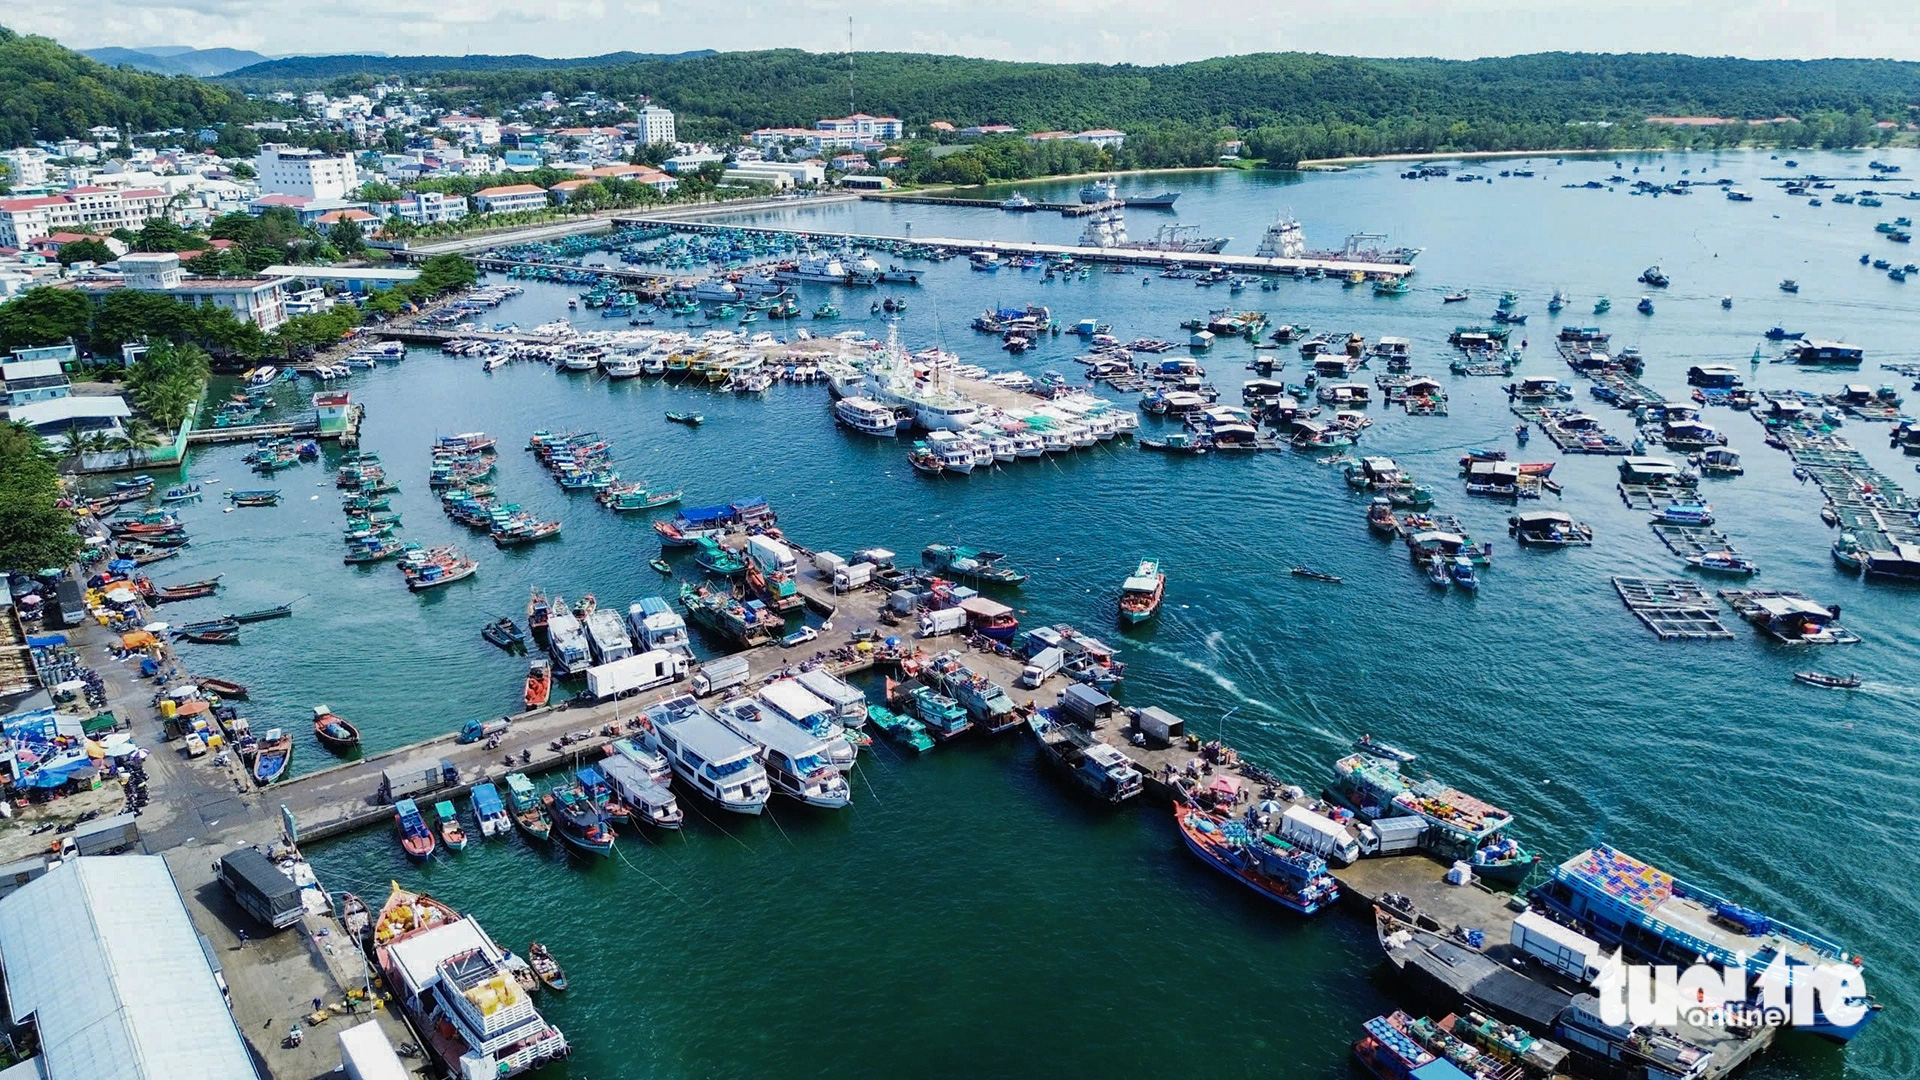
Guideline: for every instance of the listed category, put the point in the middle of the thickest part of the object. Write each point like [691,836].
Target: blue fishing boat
[579,822]
[490,811]
[415,837]
[1292,877]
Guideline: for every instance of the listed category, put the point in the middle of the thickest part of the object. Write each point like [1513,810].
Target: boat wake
[1219,679]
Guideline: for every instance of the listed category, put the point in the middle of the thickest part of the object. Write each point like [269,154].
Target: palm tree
[73,444]
[97,442]
[140,435]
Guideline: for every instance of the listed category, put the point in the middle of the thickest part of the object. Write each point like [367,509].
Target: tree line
[49,92]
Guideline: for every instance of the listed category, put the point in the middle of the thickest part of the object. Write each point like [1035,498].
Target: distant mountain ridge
[333,67]
[177,59]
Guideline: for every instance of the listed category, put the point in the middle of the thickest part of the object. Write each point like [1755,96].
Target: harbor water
[968,909]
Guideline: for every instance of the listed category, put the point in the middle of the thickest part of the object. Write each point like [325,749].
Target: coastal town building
[258,300]
[299,170]
[510,198]
[29,380]
[780,174]
[655,125]
[690,162]
[1105,138]
[90,209]
[422,208]
[26,168]
[860,125]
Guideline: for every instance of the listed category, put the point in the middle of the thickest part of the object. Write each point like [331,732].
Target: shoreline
[1309,164]
[931,189]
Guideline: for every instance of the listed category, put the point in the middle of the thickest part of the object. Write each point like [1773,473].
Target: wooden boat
[226,688]
[451,834]
[209,637]
[415,838]
[181,493]
[505,633]
[1832,682]
[271,756]
[546,968]
[334,733]
[528,813]
[537,618]
[687,418]
[661,564]
[1316,575]
[1370,745]
[254,498]
[539,683]
[356,917]
[578,821]
[262,615]
[144,554]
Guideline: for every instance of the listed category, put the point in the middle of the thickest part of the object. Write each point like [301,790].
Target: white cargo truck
[1319,834]
[723,673]
[1392,835]
[1043,665]
[942,621]
[635,673]
[1568,952]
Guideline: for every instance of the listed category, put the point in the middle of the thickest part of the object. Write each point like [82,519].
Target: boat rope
[869,783]
[783,829]
[661,884]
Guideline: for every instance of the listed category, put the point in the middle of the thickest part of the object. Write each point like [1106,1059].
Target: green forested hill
[49,92]
[751,89]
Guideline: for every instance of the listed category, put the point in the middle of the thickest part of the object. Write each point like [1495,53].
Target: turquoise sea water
[970,916]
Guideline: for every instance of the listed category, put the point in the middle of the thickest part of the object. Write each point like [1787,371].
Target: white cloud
[1140,31]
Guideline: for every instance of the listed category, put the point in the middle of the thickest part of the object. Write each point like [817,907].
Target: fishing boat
[1645,306]
[1692,512]
[261,497]
[537,618]
[546,968]
[714,559]
[334,733]
[451,834]
[1724,562]
[415,838]
[1316,575]
[580,824]
[687,418]
[209,637]
[1437,574]
[1832,682]
[505,633]
[1602,306]
[489,811]
[902,729]
[1142,591]
[1100,768]
[660,563]
[226,688]
[528,812]
[1460,826]
[1460,297]
[1292,877]
[539,682]
[271,755]
[970,564]
[262,615]
[181,493]
[1463,573]
[193,590]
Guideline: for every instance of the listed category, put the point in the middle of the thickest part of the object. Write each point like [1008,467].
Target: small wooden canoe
[546,968]
[226,688]
[210,637]
[504,633]
[281,612]
[334,733]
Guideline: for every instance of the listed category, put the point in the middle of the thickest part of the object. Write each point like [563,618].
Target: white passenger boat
[707,755]
[954,453]
[620,365]
[865,415]
[795,760]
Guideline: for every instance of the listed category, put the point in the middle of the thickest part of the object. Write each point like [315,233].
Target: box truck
[1568,952]
[635,673]
[720,674]
[1319,834]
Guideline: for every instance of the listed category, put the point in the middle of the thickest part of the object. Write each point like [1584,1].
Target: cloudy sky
[1135,31]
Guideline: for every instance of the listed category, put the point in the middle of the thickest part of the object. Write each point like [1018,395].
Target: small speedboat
[1316,575]
[1832,682]
[1370,745]
[505,633]
[687,418]
[661,564]
[1723,562]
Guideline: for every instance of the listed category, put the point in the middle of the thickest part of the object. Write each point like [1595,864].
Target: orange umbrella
[191,708]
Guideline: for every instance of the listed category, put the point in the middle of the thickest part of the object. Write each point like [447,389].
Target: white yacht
[982,451]
[812,267]
[1055,440]
[1003,449]
[707,755]
[717,291]
[795,761]
[656,626]
[892,380]
[813,714]
[651,761]
[1028,445]
[954,453]
[1125,422]
[620,365]
[580,358]
[866,415]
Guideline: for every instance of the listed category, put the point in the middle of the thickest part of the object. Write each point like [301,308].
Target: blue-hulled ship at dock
[1656,918]
[1290,876]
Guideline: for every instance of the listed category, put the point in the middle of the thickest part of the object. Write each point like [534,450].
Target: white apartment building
[81,209]
[27,165]
[297,170]
[863,126]
[258,300]
[508,198]
[656,125]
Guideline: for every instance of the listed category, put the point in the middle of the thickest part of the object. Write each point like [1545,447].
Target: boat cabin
[1796,619]
[1499,479]
[1259,393]
[1086,705]
[1380,471]
[1713,376]
[1393,348]
[1344,394]
[1691,434]
[1835,353]
[1539,387]
[1721,460]
[1431,543]
[1333,366]
[1549,527]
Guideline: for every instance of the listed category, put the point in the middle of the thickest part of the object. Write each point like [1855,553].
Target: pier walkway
[1136,257]
[1064,209]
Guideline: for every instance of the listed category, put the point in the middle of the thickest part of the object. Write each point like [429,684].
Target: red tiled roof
[30,203]
[511,189]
